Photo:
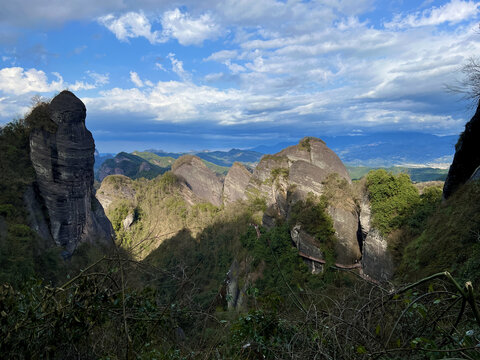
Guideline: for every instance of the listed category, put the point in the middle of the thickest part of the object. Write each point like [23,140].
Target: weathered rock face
[200,179]
[36,217]
[376,261]
[290,175]
[270,181]
[467,156]
[316,152]
[63,161]
[115,187]
[236,183]
[345,223]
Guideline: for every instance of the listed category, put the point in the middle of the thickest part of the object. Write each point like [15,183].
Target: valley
[231,254]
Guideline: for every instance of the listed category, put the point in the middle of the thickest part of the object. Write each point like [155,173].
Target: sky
[193,75]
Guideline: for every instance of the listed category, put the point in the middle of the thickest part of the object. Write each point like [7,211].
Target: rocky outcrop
[128,221]
[235,297]
[239,279]
[467,156]
[309,168]
[63,156]
[115,187]
[236,183]
[200,179]
[345,223]
[315,151]
[377,262]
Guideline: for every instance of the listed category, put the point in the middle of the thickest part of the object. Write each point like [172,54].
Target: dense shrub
[391,197]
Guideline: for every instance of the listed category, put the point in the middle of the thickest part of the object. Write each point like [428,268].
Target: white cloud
[160,66]
[186,30]
[18,85]
[453,12]
[303,62]
[131,25]
[222,55]
[99,79]
[136,79]
[234,68]
[175,24]
[18,81]
[177,68]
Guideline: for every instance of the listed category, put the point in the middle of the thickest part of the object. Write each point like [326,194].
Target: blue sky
[192,75]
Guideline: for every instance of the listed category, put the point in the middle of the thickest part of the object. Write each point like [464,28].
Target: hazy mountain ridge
[129,165]
[150,164]
[385,149]
[418,154]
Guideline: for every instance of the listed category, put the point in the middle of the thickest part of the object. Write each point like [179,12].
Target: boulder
[128,221]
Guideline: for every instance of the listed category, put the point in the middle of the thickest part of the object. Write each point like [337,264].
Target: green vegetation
[391,197]
[278,173]
[159,210]
[162,161]
[217,169]
[39,118]
[277,158]
[186,159]
[304,144]
[312,215]
[22,253]
[450,240]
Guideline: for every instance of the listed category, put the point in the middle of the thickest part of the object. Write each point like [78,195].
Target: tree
[470,85]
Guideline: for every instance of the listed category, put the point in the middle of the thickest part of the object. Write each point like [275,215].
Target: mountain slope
[129,165]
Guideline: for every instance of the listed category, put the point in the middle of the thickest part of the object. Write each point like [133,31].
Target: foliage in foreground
[102,313]
[451,239]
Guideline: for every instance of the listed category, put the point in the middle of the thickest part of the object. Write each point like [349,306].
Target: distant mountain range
[406,149]
[221,158]
[385,149]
